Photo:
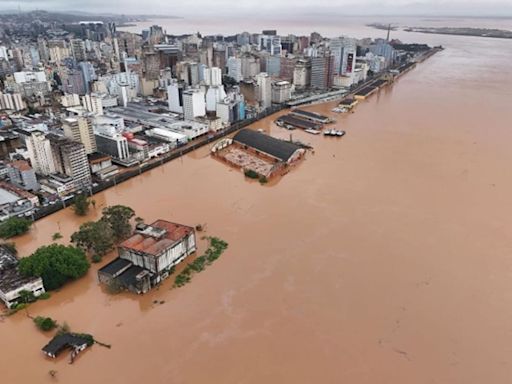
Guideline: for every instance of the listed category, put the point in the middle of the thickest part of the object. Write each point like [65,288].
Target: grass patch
[215,249]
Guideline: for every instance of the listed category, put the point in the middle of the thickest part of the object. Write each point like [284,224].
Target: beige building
[80,129]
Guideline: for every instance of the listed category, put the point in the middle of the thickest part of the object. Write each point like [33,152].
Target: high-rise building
[344,52]
[175,96]
[78,49]
[212,76]
[302,74]
[40,153]
[93,103]
[273,67]
[70,159]
[322,71]
[80,129]
[235,68]
[264,89]
[270,44]
[194,104]
[281,92]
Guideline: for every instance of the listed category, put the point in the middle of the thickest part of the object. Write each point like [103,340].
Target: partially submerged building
[146,258]
[258,152]
[76,342]
[12,282]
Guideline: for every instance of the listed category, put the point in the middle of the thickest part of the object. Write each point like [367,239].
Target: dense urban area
[85,106]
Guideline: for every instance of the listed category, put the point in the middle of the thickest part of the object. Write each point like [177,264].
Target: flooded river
[385,257]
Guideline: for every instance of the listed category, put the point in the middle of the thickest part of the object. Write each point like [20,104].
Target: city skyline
[440,8]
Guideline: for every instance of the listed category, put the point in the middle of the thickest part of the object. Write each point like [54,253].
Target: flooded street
[384,257]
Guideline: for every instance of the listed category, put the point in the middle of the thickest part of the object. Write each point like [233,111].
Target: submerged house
[146,258]
[12,282]
[76,342]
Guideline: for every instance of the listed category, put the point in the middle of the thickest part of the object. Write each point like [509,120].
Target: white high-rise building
[40,153]
[194,104]
[93,104]
[212,76]
[214,95]
[234,65]
[80,129]
[264,89]
[175,97]
[12,101]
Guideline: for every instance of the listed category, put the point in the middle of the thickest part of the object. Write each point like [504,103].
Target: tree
[45,323]
[118,217]
[56,264]
[81,205]
[94,237]
[27,297]
[14,226]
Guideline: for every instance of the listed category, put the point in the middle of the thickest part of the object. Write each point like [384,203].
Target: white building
[12,101]
[281,92]
[174,138]
[175,97]
[12,282]
[29,76]
[212,76]
[264,89]
[194,104]
[214,95]
[40,153]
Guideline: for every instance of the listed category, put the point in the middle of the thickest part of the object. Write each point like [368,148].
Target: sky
[246,7]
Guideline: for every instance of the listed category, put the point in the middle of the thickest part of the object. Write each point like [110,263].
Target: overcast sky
[203,7]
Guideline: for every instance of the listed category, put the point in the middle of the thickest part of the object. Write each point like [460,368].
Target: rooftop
[62,341]
[7,258]
[157,237]
[279,149]
[11,279]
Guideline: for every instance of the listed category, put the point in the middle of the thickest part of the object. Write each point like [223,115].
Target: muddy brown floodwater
[385,257]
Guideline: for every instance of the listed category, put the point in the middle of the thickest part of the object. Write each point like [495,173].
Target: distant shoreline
[474,32]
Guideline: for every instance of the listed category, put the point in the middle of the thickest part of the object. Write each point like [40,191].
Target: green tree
[45,323]
[118,217]
[56,264]
[95,237]
[14,226]
[27,296]
[81,205]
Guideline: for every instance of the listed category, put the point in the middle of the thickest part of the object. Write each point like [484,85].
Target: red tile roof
[147,244]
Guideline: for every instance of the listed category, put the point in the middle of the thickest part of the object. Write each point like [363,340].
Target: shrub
[45,323]
[251,174]
[96,258]
[56,236]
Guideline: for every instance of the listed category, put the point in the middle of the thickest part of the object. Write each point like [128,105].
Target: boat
[312,131]
[334,132]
